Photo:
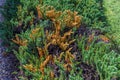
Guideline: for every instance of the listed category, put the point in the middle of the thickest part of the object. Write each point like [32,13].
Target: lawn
[113,15]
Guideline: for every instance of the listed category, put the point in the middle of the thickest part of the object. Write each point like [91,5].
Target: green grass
[113,16]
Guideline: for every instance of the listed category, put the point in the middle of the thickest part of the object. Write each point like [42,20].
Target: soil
[88,72]
[8,65]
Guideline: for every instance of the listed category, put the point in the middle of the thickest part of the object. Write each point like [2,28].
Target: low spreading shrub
[100,56]
[91,12]
[51,40]
[50,47]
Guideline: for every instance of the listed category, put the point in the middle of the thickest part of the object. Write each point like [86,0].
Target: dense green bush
[91,10]
[9,13]
[105,60]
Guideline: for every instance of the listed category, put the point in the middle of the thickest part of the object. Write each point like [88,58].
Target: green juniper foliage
[91,11]
[100,56]
[9,13]
[18,26]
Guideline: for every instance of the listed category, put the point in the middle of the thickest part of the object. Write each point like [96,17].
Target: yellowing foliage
[40,15]
[18,41]
[59,19]
[30,67]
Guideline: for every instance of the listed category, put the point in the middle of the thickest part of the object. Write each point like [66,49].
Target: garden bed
[57,40]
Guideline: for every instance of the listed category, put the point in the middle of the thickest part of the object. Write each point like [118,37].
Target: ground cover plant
[10,9]
[62,39]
